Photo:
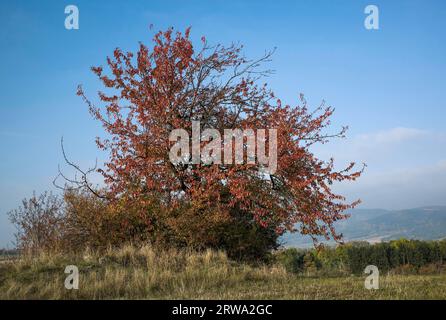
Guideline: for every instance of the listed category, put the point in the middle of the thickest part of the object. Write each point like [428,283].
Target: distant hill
[375,225]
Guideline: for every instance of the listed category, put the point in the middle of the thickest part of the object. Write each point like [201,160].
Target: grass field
[131,273]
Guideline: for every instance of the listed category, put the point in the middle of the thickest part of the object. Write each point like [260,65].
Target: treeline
[79,221]
[397,256]
[8,252]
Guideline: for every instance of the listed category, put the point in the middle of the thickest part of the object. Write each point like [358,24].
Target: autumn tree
[231,206]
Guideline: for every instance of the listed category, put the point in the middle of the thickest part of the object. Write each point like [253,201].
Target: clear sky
[388,85]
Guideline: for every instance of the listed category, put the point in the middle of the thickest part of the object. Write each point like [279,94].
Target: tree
[172,85]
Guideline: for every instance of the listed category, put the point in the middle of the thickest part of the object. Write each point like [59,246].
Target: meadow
[146,273]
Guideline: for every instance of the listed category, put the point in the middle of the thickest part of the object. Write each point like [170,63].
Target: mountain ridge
[377,225]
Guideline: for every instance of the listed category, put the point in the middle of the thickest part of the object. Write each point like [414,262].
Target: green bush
[291,259]
[398,257]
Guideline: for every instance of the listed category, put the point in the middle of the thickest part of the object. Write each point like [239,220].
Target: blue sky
[388,85]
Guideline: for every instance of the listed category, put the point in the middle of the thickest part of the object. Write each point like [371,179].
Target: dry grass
[144,273]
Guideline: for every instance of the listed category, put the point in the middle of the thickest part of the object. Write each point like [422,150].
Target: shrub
[291,259]
[40,222]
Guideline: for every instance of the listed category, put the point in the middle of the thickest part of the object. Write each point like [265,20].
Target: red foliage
[171,85]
